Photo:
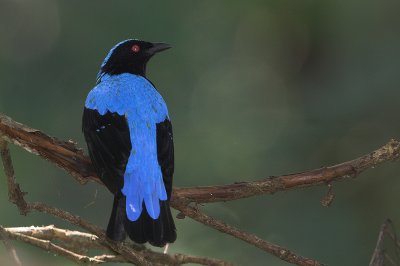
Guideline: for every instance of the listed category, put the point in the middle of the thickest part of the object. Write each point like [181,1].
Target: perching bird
[129,138]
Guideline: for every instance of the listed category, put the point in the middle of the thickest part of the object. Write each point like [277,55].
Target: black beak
[158,47]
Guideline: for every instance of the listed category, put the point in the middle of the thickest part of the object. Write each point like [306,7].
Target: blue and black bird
[129,138]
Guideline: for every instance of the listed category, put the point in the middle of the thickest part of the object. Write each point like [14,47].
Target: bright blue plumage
[135,97]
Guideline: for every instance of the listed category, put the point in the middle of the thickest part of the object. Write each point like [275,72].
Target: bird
[129,136]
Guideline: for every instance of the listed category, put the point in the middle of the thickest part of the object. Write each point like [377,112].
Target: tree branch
[62,153]
[380,254]
[131,252]
[324,175]
[83,241]
[134,253]
[44,236]
[49,246]
[280,252]
[10,248]
[15,195]
[67,156]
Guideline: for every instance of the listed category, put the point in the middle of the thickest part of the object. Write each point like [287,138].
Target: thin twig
[15,195]
[390,260]
[39,236]
[282,253]
[134,253]
[128,252]
[184,259]
[49,246]
[10,248]
[83,241]
[378,257]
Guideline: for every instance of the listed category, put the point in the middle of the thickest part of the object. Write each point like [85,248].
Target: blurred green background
[254,88]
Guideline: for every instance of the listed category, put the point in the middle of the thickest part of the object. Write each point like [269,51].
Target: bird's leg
[166,248]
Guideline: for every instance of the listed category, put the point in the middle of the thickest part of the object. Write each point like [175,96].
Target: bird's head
[130,56]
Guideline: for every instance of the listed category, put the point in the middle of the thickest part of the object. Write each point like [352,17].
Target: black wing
[165,153]
[108,140]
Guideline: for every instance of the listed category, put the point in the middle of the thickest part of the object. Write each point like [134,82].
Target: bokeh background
[254,88]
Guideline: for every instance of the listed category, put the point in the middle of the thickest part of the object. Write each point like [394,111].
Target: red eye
[135,48]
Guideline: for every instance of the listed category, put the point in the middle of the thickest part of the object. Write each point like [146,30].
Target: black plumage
[107,137]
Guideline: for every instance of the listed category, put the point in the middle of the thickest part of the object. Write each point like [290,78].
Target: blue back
[135,98]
